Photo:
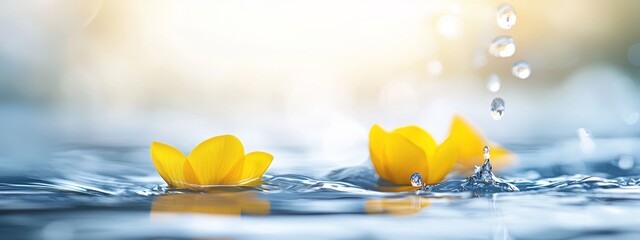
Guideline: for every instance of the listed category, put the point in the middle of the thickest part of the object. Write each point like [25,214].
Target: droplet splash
[497,108]
[506,16]
[493,83]
[487,153]
[483,180]
[502,46]
[416,180]
[521,69]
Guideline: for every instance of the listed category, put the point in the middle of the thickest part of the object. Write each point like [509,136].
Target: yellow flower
[407,150]
[219,203]
[216,161]
[470,144]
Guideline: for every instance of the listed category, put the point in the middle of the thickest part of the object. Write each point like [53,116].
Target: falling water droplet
[497,108]
[487,153]
[503,46]
[416,180]
[521,69]
[493,83]
[506,16]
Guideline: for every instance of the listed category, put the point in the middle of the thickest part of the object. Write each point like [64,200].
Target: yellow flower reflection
[407,150]
[397,206]
[470,144]
[216,161]
[218,203]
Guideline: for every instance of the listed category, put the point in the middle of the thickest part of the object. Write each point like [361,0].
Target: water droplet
[416,180]
[506,16]
[487,152]
[483,179]
[493,83]
[626,162]
[497,108]
[503,46]
[521,69]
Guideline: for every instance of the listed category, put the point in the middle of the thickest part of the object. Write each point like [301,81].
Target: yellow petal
[403,159]
[218,160]
[169,162]
[469,140]
[470,144]
[189,174]
[377,142]
[255,164]
[444,161]
[419,137]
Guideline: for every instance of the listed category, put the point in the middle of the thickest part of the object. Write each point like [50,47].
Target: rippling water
[112,193]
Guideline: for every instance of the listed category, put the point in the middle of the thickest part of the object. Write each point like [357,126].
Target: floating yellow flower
[470,145]
[219,203]
[216,161]
[407,150]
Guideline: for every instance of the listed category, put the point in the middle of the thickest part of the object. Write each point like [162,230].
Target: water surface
[91,192]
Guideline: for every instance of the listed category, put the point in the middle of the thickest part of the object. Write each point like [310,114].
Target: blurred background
[306,80]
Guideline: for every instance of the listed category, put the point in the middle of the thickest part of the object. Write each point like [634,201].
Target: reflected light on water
[397,206]
[214,202]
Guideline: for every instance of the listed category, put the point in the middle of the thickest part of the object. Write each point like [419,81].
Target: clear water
[90,192]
